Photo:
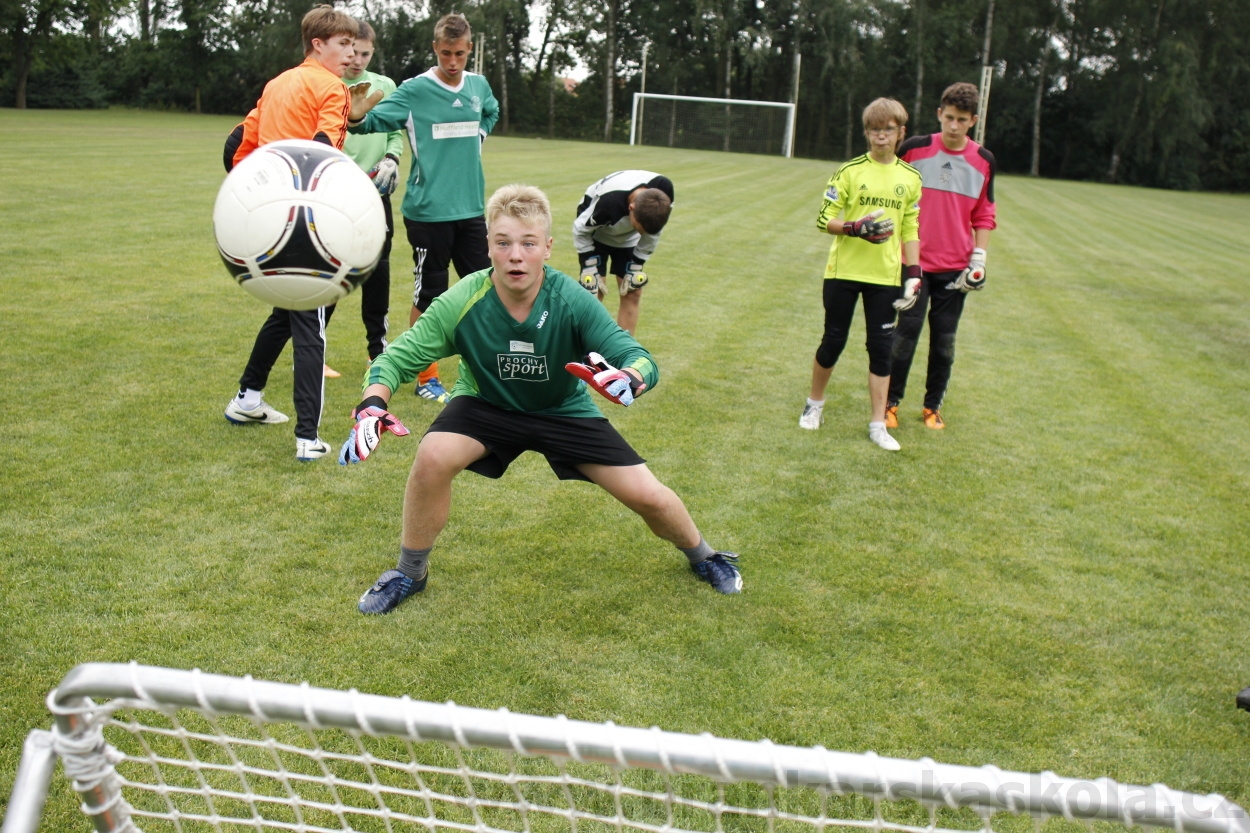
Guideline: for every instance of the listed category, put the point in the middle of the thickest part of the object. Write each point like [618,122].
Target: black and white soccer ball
[298,224]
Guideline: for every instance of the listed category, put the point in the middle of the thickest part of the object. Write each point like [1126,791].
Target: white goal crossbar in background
[727,124]
[154,749]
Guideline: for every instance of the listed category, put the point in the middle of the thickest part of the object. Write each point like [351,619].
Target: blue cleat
[721,572]
[434,390]
[392,588]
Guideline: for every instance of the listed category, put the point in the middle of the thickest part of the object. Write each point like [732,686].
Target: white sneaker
[308,450]
[880,436]
[813,416]
[261,414]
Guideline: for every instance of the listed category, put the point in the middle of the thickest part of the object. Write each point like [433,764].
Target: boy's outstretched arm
[362,101]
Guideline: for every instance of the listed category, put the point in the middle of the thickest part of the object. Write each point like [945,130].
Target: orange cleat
[933,419]
[891,416]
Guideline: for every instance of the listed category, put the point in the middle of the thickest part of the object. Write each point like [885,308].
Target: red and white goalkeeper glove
[372,421]
[911,288]
[614,384]
[972,278]
[385,175]
[870,228]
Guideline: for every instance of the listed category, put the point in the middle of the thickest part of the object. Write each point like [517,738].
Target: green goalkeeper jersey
[367,149]
[860,187]
[517,366]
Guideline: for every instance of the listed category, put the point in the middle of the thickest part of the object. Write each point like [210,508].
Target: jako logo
[542,320]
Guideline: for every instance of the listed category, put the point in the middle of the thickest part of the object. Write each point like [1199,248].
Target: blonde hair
[452,27]
[880,112]
[323,23]
[521,202]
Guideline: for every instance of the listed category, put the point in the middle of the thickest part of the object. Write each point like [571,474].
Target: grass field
[1056,581]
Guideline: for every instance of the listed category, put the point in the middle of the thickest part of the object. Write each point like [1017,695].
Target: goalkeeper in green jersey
[531,342]
[871,207]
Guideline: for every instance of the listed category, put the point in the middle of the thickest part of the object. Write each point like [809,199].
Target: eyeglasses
[884,131]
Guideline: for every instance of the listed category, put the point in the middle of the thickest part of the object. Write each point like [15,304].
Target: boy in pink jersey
[956,218]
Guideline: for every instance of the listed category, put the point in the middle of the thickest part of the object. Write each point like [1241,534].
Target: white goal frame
[636,121]
[196,769]
[983,103]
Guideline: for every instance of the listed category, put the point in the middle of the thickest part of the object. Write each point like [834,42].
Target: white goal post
[983,103]
[728,124]
[154,749]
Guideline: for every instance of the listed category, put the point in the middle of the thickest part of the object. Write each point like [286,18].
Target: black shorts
[566,442]
[438,246]
[617,256]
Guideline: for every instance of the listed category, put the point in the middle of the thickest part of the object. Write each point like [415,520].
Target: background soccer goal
[728,124]
[155,749]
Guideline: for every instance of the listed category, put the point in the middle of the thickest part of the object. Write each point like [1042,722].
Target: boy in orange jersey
[309,101]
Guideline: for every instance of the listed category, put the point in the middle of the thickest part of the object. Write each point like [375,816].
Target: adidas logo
[457,103]
[863,187]
[947,167]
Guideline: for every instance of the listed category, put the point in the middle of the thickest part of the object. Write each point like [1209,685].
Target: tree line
[1147,92]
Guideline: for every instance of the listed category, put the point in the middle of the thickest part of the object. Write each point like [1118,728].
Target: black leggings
[878,302]
[375,293]
[945,308]
[307,329]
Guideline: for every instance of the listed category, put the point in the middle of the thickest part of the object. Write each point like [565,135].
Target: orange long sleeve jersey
[298,104]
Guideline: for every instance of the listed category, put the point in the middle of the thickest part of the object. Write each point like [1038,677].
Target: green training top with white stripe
[517,366]
[446,128]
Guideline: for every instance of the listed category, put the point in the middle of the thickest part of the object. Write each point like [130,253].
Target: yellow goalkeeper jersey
[860,187]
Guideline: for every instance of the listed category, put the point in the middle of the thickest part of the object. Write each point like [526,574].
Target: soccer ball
[298,224]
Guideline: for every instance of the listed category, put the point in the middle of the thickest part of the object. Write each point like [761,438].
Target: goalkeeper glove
[385,175]
[372,421]
[592,275]
[911,288]
[870,228]
[617,385]
[633,279]
[972,278]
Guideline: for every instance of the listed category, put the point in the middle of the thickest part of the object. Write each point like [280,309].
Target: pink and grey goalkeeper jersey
[957,197]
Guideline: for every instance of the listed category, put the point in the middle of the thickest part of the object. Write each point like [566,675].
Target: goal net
[153,749]
[728,124]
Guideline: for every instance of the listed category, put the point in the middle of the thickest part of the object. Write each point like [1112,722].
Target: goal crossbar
[721,132]
[85,702]
[706,100]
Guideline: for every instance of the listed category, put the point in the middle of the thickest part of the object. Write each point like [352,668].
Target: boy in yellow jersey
[871,207]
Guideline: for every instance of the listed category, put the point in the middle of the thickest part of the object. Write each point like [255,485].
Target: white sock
[249,400]
[816,403]
[873,426]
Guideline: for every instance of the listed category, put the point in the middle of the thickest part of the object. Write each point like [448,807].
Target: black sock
[701,551]
[412,562]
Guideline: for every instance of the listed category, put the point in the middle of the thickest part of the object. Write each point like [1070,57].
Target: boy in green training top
[530,341]
[378,154]
[447,113]
[866,202]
